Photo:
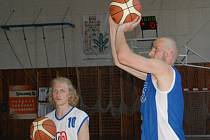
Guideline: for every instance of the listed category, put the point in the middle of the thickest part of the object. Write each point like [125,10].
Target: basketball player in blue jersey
[162,102]
[71,122]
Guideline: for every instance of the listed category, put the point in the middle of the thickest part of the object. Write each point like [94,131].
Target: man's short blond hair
[169,43]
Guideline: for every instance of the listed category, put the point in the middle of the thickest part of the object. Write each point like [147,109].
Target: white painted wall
[188,21]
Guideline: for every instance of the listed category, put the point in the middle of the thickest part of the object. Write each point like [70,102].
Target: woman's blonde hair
[73,98]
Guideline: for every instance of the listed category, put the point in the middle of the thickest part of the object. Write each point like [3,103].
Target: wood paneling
[111,98]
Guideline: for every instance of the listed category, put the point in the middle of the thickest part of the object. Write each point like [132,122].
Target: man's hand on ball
[126,27]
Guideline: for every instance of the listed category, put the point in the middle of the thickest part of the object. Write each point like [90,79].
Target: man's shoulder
[79,111]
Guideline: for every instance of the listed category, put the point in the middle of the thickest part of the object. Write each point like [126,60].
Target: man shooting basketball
[162,103]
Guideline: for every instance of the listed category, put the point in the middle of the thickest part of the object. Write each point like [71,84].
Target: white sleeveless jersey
[69,125]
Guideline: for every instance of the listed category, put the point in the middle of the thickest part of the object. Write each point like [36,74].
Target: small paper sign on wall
[22,102]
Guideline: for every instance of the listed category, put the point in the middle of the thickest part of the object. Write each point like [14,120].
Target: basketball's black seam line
[129,9]
[44,125]
[48,125]
[41,130]
[124,9]
[38,130]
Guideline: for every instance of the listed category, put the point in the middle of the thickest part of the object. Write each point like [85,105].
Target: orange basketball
[42,128]
[123,11]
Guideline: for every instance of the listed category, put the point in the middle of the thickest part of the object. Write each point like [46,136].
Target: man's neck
[62,110]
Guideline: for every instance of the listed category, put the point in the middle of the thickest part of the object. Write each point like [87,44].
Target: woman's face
[60,94]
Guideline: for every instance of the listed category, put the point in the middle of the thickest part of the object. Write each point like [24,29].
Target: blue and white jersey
[162,111]
[69,125]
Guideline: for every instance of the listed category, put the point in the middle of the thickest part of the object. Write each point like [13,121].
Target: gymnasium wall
[185,20]
[111,98]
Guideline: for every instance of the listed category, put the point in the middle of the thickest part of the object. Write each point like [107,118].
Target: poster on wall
[22,102]
[96,37]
